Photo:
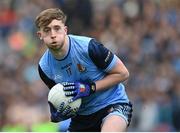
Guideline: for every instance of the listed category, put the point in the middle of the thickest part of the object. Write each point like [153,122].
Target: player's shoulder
[80,39]
[44,58]
[45,63]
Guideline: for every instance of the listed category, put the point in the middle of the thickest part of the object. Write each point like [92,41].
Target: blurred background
[145,34]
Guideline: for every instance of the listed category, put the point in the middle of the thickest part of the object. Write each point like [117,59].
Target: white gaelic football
[57,95]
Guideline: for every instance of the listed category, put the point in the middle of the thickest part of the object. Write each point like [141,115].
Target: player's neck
[61,53]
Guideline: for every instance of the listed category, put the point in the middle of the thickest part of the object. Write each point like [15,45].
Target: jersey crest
[81,68]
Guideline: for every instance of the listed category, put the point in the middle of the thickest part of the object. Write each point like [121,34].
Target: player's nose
[53,34]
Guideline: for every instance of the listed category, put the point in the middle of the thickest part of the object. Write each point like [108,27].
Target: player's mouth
[54,45]
[53,42]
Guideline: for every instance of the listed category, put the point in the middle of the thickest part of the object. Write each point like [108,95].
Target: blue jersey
[86,60]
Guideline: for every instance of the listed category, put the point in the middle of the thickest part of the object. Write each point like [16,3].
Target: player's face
[53,35]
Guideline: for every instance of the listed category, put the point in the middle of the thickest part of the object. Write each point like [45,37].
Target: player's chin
[55,47]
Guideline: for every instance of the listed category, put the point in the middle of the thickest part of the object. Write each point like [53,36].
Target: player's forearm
[118,74]
[111,80]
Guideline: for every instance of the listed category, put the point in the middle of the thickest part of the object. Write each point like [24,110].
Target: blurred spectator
[80,12]
[7,17]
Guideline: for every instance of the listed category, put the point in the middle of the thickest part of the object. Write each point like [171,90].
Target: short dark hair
[45,17]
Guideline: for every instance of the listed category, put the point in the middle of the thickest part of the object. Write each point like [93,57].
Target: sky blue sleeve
[112,64]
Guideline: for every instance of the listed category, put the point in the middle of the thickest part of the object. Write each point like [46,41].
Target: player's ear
[39,35]
[65,29]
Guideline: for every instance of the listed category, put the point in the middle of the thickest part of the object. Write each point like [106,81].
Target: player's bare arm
[118,74]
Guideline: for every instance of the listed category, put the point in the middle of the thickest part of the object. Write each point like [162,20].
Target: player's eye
[57,28]
[46,30]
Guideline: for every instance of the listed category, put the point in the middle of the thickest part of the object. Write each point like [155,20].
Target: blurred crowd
[145,34]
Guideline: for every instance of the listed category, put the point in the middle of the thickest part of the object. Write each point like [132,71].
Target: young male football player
[87,70]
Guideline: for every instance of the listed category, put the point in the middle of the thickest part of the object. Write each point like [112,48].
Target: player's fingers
[72,99]
[76,109]
[68,84]
[70,93]
[71,113]
[69,88]
[61,106]
[66,110]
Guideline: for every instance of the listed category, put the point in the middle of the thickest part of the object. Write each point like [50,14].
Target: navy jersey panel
[99,54]
[49,82]
[80,65]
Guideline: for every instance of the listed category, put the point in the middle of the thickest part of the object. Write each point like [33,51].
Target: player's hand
[78,89]
[61,113]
